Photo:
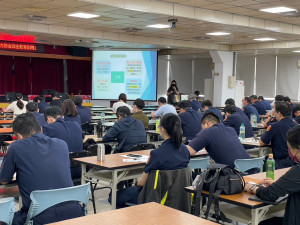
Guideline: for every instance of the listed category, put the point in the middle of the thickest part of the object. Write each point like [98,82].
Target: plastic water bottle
[102,117]
[253,120]
[270,167]
[242,132]
[157,122]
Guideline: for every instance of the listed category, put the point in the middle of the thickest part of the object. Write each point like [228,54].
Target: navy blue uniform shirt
[239,110]
[267,104]
[260,107]
[69,131]
[297,119]
[215,111]
[42,106]
[190,123]
[222,144]
[131,129]
[276,134]
[168,157]
[40,163]
[249,110]
[235,121]
[40,118]
[196,105]
[73,118]
[84,113]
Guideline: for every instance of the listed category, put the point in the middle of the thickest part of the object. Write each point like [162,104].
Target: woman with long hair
[69,111]
[18,106]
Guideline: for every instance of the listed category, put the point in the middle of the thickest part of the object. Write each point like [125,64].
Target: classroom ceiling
[122,24]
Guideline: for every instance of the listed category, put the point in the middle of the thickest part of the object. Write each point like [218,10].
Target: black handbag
[218,179]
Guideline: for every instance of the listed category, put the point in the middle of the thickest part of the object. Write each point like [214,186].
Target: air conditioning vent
[34,17]
[295,14]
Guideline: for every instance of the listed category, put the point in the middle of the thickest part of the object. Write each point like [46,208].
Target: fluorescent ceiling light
[264,39]
[218,33]
[297,51]
[159,26]
[83,15]
[278,10]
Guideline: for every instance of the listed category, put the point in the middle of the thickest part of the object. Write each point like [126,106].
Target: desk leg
[114,189]
[258,214]
[20,202]
[148,138]
[83,172]
[95,129]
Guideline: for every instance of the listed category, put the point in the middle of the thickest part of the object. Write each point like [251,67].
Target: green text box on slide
[117,77]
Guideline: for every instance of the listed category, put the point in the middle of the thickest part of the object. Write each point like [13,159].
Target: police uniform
[260,107]
[249,110]
[35,161]
[239,110]
[40,118]
[235,121]
[190,123]
[73,118]
[267,104]
[42,106]
[276,134]
[196,105]
[166,157]
[222,144]
[297,119]
[215,111]
[84,113]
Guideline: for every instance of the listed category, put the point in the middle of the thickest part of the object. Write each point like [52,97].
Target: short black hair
[32,107]
[184,104]
[26,125]
[284,108]
[41,96]
[123,97]
[213,118]
[56,94]
[260,98]
[197,93]
[293,137]
[230,109]
[287,99]
[247,99]
[36,99]
[206,103]
[123,111]
[162,100]
[297,108]
[139,103]
[279,98]
[53,111]
[229,101]
[78,100]
[253,97]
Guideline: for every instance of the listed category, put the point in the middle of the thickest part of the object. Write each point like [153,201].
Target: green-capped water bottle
[270,167]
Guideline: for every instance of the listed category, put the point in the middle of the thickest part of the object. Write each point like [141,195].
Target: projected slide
[131,72]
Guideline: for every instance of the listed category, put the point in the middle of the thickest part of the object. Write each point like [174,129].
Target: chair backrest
[143,146]
[42,200]
[7,210]
[199,163]
[87,128]
[247,164]
[80,154]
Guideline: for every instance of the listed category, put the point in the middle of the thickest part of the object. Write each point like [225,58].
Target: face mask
[293,157]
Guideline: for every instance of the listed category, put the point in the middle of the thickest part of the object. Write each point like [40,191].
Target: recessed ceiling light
[83,15]
[297,51]
[218,33]
[278,10]
[264,39]
[159,26]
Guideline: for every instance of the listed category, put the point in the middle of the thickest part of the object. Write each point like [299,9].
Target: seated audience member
[122,102]
[69,111]
[208,108]
[190,120]
[40,163]
[260,107]
[197,93]
[138,106]
[32,107]
[249,109]
[18,106]
[297,114]
[196,105]
[56,100]
[265,102]
[276,135]
[164,108]
[288,101]
[68,131]
[287,184]
[234,119]
[127,130]
[42,104]
[230,101]
[221,143]
[171,155]
[84,112]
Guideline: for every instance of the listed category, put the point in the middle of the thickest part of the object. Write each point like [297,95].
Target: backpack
[218,179]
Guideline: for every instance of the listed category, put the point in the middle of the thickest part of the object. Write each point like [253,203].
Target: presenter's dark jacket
[73,118]
[40,118]
[249,110]
[260,107]
[190,123]
[235,121]
[129,128]
[142,117]
[276,135]
[42,106]
[56,102]
[221,143]
[215,111]
[289,184]
[84,113]
[196,105]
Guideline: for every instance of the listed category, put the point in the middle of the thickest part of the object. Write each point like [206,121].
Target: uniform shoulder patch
[269,128]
